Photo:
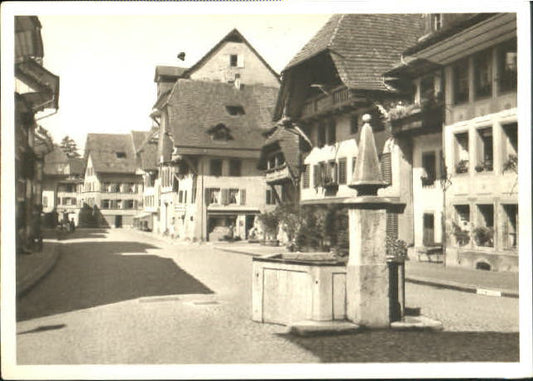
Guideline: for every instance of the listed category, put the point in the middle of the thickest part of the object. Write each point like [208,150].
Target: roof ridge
[334,34]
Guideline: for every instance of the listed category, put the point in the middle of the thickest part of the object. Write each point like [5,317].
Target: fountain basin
[292,287]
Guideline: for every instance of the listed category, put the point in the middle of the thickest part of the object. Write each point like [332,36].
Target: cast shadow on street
[77,234]
[412,346]
[90,274]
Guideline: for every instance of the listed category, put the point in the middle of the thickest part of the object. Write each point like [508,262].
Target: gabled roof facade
[111,153]
[147,151]
[57,163]
[363,46]
[190,121]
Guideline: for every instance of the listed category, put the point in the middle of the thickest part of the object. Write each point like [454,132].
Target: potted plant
[427,180]
[484,236]
[462,236]
[396,249]
[511,164]
[270,222]
[461,166]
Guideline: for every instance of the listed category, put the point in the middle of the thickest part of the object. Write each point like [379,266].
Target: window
[235,110]
[510,146]
[353,164]
[106,204]
[386,167]
[507,66]
[121,155]
[235,166]
[305,176]
[342,171]
[354,124]
[461,225]
[510,226]
[270,199]
[321,136]
[427,88]
[212,195]
[45,201]
[271,162]
[392,225]
[436,22]
[220,132]
[460,82]
[429,165]
[233,196]
[332,131]
[215,167]
[484,231]
[233,60]
[280,159]
[180,197]
[129,204]
[462,155]
[485,150]
[483,73]
[331,175]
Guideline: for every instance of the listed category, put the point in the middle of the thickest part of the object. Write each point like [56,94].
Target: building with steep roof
[328,86]
[112,186]
[210,128]
[461,120]
[62,186]
[36,91]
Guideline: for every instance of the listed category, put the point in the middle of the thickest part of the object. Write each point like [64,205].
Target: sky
[106,64]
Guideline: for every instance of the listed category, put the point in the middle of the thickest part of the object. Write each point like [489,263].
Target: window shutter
[243,196]
[207,196]
[225,197]
[305,175]
[240,60]
[342,171]
[316,175]
[386,167]
[392,225]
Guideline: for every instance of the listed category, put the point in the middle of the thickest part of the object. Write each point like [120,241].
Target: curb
[23,285]
[237,251]
[462,287]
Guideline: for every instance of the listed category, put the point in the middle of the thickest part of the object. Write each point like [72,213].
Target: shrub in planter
[461,166]
[484,236]
[511,164]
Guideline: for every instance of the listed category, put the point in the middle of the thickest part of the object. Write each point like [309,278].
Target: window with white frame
[483,73]
[507,66]
[461,225]
[510,147]
[510,226]
[429,167]
[460,81]
[485,152]
[462,155]
[483,233]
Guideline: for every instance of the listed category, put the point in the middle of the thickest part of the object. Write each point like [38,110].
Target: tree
[68,145]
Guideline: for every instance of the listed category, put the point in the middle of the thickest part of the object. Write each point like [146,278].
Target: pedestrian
[72,225]
[172,228]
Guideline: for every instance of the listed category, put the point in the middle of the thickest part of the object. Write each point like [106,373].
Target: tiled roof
[196,106]
[363,46]
[103,149]
[168,71]
[58,157]
[147,151]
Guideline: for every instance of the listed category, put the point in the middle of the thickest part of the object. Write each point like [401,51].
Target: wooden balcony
[278,175]
[418,119]
[338,99]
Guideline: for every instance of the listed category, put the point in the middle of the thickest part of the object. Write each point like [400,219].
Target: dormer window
[235,110]
[436,21]
[121,155]
[220,132]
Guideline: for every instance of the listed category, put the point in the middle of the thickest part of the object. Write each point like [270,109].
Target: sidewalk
[33,267]
[431,274]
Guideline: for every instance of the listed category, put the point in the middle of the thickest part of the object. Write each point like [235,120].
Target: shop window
[332,132]
[305,176]
[342,171]
[462,155]
[483,73]
[235,166]
[321,136]
[460,82]
[507,66]
[483,233]
[510,226]
[484,150]
[354,124]
[429,165]
[215,167]
[461,225]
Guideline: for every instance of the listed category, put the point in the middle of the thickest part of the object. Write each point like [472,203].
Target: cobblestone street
[118,296]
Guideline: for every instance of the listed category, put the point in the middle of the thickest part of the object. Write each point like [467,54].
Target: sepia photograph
[251,190]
